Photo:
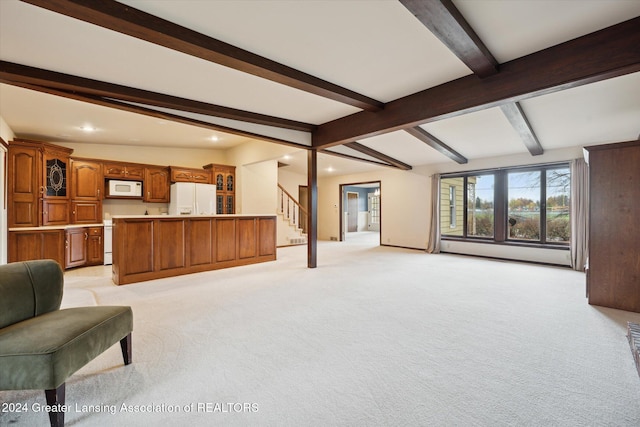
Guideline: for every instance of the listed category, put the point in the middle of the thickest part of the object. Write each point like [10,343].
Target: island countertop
[147,247]
[163,216]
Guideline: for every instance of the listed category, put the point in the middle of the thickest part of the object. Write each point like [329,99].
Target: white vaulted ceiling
[376,48]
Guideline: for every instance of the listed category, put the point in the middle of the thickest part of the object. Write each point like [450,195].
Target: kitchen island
[151,247]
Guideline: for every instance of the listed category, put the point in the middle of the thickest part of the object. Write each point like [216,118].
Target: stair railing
[289,207]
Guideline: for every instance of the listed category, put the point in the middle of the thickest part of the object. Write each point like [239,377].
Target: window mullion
[543,206]
[465,206]
[500,207]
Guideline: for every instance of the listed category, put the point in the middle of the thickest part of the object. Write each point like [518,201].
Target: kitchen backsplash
[112,207]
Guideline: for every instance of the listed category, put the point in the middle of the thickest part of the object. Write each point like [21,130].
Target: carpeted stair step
[633,333]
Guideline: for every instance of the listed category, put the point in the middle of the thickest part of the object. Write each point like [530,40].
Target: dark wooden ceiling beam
[104,102]
[446,22]
[13,73]
[435,143]
[377,155]
[517,118]
[598,56]
[136,23]
[359,159]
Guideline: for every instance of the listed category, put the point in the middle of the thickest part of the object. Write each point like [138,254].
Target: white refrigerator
[190,198]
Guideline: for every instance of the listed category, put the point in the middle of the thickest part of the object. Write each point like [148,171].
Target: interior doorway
[361,211]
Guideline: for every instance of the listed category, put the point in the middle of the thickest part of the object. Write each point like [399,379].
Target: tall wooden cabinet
[613,277]
[87,188]
[23,185]
[224,178]
[38,190]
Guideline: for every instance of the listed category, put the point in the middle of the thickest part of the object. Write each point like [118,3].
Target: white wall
[291,181]
[404,206]
[250,153]
[260,181]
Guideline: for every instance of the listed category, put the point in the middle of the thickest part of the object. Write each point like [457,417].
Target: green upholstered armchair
[41,345]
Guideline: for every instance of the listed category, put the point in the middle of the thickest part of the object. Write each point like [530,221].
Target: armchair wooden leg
[125,344]
[56,397]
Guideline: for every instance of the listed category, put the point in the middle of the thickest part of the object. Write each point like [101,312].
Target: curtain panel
[434,230]
[579,214]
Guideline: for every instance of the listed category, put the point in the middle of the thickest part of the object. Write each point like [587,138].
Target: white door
[374,212]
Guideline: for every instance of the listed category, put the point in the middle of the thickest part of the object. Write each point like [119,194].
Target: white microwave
[117,188]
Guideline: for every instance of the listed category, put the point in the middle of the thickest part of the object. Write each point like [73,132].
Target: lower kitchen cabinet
[70,246]
[36,244]
[83,246]
[95,246]
[75,245]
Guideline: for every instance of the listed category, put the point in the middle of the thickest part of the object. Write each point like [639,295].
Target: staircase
[290,229]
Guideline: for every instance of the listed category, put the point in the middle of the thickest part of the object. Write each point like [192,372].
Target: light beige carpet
[375,336]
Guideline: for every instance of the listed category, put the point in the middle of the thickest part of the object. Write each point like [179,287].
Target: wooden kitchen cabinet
[95,246]
[154,247]
[75,245]
[86,212]
[224,178]
[54,212]
[37,244]
[119,170]
[23,185]
[37,184]
[87,190]
[156,185]
[179,174]
[84,246]
[87,182]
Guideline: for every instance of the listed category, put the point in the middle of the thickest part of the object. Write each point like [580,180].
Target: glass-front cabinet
[224,178]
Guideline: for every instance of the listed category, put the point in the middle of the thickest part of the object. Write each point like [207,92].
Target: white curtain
[434,234]
[579,214]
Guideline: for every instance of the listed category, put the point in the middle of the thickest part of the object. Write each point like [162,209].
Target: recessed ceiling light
[286,157]
[87,128]
[214,138]
[330,169]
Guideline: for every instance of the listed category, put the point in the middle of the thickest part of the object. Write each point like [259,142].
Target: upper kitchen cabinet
[87,182]
[120,170]
[38,192]
[224,178]
[156,184]
[179,174]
